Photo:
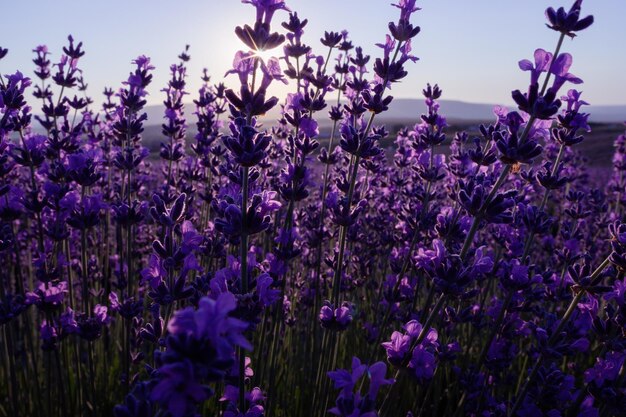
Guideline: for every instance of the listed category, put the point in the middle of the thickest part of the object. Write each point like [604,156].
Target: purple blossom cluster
[251,268]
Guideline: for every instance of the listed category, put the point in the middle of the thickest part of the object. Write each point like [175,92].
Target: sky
[469,47]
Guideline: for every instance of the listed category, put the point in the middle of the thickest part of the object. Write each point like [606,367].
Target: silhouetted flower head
[568,22]
[12,95]
[265,9]
[331,39]
[72,51]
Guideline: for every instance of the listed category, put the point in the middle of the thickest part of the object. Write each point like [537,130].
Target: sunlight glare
[264,55]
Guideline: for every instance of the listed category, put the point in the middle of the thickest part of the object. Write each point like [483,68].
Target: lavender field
[318,263]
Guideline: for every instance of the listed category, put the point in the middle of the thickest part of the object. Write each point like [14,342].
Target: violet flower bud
[568,22]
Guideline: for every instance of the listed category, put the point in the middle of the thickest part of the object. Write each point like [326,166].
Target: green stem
[556,53]
[244,277]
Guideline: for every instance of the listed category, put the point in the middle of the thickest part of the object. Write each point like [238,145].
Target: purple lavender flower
[247,145]
[618,244]
[568,22]
[211,322]
[420,359]
[90,327]
[47,296]
[605,369]
[423,363]
[337,319]
[178,390]
[543,60]
[351,404]
[356,143]
[49,336]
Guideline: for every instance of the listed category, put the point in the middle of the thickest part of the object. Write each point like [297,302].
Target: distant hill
[410,109]
[463,111]
[607,123]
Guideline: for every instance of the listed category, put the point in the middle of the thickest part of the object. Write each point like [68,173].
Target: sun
[264,55]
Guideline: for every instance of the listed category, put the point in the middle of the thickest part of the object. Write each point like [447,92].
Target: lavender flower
[568,22]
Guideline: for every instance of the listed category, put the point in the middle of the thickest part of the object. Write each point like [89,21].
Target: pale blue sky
[470,47]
